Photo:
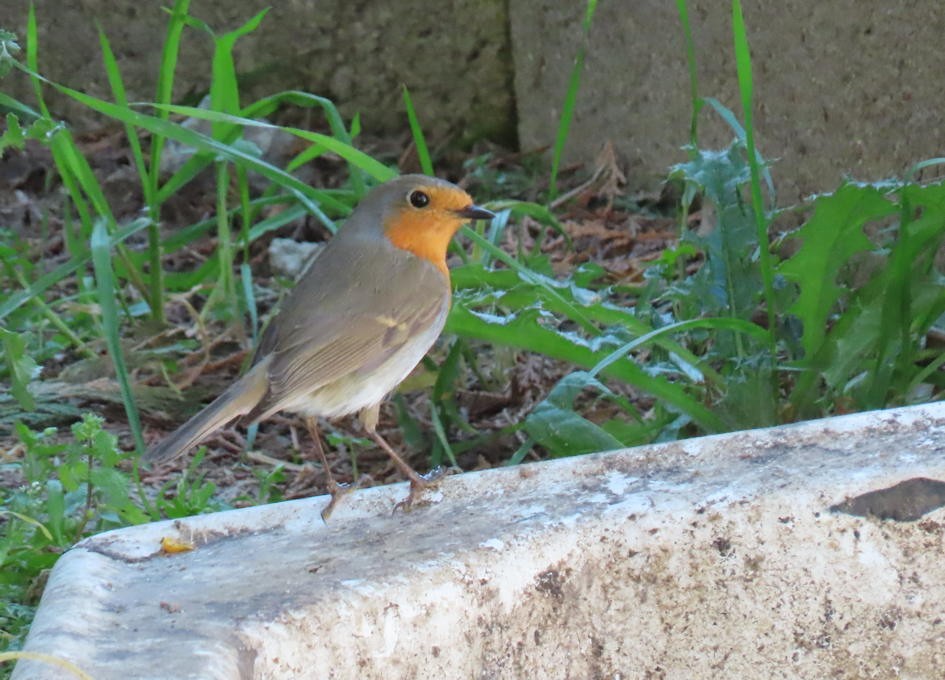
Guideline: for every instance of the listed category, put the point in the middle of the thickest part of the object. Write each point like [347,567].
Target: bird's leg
[334,488]
[417,482]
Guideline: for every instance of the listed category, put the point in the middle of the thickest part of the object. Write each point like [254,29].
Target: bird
[354,326]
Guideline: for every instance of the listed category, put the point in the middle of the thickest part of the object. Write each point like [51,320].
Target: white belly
[357,391]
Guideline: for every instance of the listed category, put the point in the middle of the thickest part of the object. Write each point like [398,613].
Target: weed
[67,491]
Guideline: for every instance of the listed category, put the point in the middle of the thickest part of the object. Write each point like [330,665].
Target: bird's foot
[337,492]
[420,483]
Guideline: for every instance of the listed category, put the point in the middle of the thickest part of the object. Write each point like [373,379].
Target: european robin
[355,325]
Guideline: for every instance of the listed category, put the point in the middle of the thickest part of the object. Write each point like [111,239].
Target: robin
[355,325]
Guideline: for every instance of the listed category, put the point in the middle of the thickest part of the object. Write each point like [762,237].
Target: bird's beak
[474,212]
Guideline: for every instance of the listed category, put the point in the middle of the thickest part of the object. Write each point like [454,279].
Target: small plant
[68,491]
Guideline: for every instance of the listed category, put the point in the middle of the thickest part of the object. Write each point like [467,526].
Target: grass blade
[524,331]
[726,115]
[8,102]
[49,659]
[32,60]
[570,100]
[695,100]
[156,271]
[66,269]
[441,437]
[249,298]
[107,296]
[423,153]
[746,88]
[264,107]
[718,323]
[165,85]
[356,157]
[576,314]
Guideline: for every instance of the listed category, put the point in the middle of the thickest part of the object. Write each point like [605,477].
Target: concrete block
[453,56]
[834,95]
[748,555]
[836,91]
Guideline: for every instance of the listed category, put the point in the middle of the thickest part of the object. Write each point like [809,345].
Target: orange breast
[425,234]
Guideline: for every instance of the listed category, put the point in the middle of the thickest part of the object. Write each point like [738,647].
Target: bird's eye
[418,199]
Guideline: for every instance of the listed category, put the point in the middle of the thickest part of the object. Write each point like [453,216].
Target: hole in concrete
[903,502]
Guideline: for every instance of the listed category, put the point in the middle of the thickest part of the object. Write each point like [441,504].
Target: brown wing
[345,346]
[358,322]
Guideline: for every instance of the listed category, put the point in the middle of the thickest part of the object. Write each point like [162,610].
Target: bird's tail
[237,400]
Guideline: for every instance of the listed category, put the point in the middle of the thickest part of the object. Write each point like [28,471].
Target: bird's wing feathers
[351,345]
[329,346]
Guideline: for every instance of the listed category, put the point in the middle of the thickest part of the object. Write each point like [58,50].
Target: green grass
[729,330]
[71,490]
[570,99]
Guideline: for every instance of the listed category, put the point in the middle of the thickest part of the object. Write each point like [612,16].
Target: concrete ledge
[713,557]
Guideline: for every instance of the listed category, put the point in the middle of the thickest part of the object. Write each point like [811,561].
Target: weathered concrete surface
[453,56]
[838,89]
[710,558]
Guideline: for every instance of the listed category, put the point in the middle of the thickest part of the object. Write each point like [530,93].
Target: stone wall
[843,87]
[454,57]
[850,86]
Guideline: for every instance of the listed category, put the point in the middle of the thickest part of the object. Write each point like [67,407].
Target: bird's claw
[337,492]
[420,483]
[417,487]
